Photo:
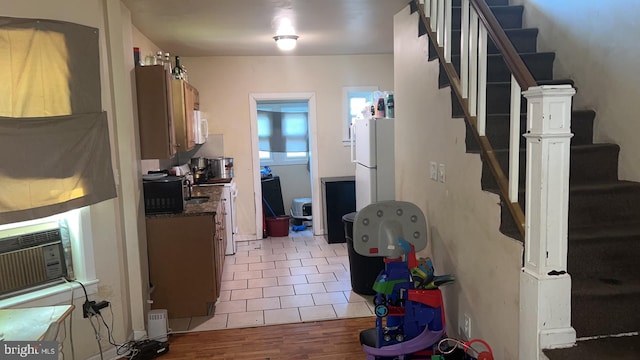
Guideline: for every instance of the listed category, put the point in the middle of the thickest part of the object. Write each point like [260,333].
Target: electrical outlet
[441,173]
[433,171]
[467,326]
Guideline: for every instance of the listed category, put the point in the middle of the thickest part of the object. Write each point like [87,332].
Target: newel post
[545,285]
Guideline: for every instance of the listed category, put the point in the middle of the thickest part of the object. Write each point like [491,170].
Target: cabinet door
[181,264]
[155,112]
[185,98]
[220,242]
[190,106]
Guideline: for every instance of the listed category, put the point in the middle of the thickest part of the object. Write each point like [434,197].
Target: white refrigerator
[372,152]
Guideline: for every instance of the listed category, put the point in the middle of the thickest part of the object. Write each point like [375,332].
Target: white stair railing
[545,284]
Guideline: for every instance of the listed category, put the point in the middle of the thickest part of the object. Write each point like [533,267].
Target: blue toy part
[298,227]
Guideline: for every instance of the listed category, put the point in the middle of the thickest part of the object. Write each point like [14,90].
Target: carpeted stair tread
[606,314]
[457,3]
[540,64]
[606,257]
[591,205]
[600,232]
[609,259]
[523,40]
[508,16]
[498,130]
[590,164]
[616,203]
[499,100]
[605,284]
[610,348]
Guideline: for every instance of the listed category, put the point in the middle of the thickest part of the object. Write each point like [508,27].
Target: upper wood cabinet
[165,113]
[185,102]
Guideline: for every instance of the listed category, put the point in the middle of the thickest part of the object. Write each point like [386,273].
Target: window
[283,133]
[354,99]
[51,114]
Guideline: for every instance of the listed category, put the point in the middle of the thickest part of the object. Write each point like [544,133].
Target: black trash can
[364,269]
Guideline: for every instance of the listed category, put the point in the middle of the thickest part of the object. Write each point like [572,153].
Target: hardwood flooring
[330,340]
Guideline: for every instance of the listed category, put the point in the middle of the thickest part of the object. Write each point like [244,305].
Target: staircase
[604,212]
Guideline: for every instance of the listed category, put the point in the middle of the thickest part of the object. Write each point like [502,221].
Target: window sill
[54,295]
[284,163]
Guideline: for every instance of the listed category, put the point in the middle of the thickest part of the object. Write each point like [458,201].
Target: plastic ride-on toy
[410,313]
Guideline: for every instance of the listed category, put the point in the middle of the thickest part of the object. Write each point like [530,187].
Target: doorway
[304,163]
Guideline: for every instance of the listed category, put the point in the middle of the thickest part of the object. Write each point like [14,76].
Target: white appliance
[372,151]
[157,324]
[229,195]
[201,127]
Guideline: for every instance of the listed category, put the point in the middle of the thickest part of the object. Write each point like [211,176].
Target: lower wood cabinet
[186,257]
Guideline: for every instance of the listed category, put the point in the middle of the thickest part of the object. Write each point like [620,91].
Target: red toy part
[482,355]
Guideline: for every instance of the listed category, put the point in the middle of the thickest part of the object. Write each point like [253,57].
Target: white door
[365,142]
[366,186]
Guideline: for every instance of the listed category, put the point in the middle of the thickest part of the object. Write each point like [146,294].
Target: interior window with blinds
[283,133]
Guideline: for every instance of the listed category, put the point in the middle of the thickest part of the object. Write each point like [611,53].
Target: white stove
[229,195]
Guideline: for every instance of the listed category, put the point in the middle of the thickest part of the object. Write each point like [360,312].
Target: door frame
[310,97]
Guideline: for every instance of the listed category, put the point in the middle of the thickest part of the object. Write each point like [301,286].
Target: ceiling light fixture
[286,42]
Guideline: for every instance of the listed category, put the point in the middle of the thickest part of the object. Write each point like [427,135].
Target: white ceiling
[247,27]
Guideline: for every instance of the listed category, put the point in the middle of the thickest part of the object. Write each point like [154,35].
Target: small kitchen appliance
[164,194]
[201,127]
[221,167]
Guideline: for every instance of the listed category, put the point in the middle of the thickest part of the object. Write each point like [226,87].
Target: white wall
[225,82]
[463,219]
[596,45]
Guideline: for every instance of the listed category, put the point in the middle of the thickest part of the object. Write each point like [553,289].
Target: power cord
[73,354]
[89,310]
[129,349]
[97,337]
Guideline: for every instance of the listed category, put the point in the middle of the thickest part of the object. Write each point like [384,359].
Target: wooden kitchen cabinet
[185,101]
[165,112]
[155,112]
[185,267]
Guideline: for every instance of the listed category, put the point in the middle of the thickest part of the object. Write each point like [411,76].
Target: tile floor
[282,280]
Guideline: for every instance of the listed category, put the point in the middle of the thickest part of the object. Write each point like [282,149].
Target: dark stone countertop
[213,192]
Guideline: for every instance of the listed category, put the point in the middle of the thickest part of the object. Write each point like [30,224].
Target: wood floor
[330,340]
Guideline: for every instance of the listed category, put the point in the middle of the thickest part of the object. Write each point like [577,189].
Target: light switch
[441,173]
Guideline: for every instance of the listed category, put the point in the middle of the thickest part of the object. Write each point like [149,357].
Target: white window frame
[346,111]
[83,264]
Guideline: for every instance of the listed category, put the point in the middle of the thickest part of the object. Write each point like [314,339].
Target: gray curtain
[54,137]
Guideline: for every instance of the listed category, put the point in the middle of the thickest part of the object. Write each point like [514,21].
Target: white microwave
[201,127]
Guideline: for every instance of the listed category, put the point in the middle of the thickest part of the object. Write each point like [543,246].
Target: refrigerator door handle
[352,141]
